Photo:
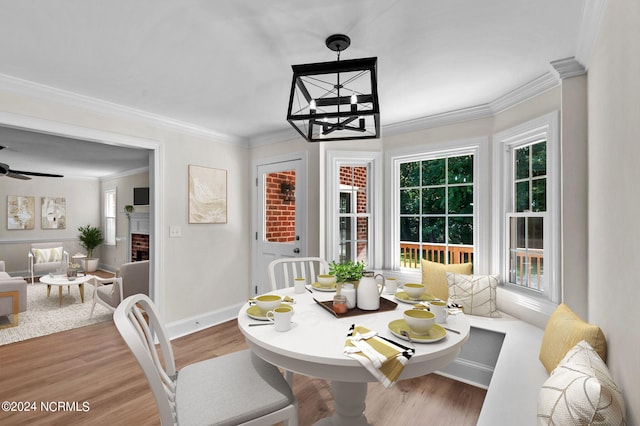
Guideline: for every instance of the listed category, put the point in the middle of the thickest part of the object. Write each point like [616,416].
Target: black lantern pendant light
[332,101]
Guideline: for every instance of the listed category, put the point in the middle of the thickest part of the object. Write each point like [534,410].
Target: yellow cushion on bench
[563,331]
[434,276]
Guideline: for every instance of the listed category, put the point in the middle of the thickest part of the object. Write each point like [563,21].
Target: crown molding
[49,93]
[592,15]
[274,137]
[568,67]
[526,91]
[436,120]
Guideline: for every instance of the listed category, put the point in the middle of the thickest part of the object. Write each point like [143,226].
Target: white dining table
[314,347]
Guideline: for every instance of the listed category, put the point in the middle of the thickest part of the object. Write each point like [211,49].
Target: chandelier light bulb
[354,99]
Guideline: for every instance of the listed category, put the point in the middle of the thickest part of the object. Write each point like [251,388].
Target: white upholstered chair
[238,388]
[47,257]
[133,278]
[283,271]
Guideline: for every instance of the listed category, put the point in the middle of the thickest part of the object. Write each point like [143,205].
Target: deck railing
[410,255]
[529,263]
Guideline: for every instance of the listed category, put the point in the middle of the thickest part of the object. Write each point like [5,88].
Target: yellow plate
[319,287]
[255,312]
[436,332]
[404,297]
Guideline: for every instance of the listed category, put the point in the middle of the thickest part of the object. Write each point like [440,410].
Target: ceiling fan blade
[15,175]
[35,174]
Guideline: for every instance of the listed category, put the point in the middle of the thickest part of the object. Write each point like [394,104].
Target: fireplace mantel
[139,223]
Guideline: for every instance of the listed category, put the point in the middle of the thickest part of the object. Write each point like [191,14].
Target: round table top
[314,345]
[62,279]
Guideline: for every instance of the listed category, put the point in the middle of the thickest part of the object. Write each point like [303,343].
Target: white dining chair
[282,272]
[235,389]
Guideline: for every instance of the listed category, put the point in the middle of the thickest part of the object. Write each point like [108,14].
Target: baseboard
[200,322]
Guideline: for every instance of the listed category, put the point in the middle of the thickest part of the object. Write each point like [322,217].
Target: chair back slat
[283,271]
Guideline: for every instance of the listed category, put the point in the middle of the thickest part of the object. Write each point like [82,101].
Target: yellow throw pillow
[563,331]
[434,276]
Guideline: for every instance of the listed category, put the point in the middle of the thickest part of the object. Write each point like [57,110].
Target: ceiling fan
[5,170]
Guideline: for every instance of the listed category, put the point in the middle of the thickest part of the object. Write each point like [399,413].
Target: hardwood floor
[92,365]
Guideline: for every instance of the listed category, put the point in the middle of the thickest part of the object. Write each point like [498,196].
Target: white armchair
[133,279]
[47,257]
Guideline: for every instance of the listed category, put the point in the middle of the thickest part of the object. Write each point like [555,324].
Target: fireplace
[139,237]
[139,247]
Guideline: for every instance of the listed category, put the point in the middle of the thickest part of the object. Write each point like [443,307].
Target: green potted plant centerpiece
[348,271]
[90,237]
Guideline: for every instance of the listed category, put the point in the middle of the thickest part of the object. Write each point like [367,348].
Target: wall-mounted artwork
[54,213]
[21,212]
[207,195]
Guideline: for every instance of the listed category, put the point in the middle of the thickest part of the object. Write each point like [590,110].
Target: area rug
[45,316]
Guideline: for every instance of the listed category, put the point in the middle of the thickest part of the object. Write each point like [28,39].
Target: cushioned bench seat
[517,375]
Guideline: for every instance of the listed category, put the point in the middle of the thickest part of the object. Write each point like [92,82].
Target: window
[528,215]
[436,215]
[528,156]
[354,214]
[109,217]
[353,223]
[437,208]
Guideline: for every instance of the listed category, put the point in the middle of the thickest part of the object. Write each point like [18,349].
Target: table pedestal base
[349,402]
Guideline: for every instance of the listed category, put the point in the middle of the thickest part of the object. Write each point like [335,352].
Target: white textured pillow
[581,391]
[47,255]
[475,293]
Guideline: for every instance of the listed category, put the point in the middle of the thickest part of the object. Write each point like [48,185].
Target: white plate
[319,287]
[403,297]
[436,333]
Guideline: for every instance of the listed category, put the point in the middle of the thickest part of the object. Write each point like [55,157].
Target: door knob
[296,250]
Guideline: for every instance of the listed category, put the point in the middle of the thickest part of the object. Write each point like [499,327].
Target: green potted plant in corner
[90,237]
[348,271]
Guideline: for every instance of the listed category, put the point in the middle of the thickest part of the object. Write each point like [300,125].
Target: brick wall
[280,220]
[139,247]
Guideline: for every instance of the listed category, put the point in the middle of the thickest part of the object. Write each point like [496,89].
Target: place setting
[260,306]
[325,283]
[413,293]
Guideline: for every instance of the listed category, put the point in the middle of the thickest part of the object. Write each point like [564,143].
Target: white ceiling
[225,65]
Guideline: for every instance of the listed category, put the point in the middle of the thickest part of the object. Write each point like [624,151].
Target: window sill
[530,308]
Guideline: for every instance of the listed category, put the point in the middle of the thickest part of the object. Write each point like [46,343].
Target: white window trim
[335,159]
[479,147]
[547,127]
[107,242]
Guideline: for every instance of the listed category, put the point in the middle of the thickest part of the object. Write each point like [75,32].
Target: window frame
[371,160]
[110,240]
[476,146]
[504,143]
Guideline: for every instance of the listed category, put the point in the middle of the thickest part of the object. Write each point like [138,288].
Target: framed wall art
[21,212]
[54,212]
[207,195]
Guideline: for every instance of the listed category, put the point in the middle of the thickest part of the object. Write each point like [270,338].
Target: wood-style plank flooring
[92,365]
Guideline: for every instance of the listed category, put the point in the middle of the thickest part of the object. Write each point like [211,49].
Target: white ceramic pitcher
[368,295]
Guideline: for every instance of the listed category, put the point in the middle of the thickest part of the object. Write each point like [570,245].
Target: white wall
[82,208]
[614,201]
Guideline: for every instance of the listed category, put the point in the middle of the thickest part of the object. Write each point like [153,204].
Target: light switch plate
[175,231]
